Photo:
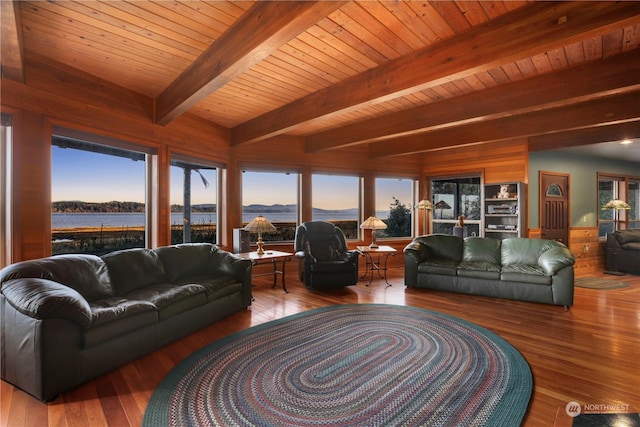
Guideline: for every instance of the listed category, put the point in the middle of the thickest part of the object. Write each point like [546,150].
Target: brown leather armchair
[325,261]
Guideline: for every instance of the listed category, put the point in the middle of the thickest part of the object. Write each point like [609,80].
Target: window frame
[203,163]
[411,205]
[358,232]
[267,237]
[150,154]
[621,191]
[6,170]
[453,221]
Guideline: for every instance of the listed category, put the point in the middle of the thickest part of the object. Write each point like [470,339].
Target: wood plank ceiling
[401,76]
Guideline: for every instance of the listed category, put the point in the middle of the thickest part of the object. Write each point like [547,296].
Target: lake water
[74,220]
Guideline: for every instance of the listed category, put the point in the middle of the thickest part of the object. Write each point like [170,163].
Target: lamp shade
[617,205]
[259,224]
[373,223]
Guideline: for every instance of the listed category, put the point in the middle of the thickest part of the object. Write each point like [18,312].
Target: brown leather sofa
[67,319]
[623,252]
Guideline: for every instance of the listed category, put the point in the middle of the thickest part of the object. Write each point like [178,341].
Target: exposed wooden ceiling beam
[575,138]
[620,73]
[530,30]
[12,63]
[264,28]
[600,112]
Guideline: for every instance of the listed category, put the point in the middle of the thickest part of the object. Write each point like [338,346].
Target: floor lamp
[425,206]
[616,205]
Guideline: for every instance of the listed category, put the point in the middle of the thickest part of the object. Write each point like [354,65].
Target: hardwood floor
[588,354]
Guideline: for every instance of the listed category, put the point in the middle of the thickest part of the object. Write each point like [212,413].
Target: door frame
[540,204]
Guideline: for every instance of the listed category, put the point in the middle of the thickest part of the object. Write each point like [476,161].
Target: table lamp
[373,223]
[259,225]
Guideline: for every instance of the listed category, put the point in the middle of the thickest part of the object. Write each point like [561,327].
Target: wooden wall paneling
[306,185]
[501,161]
[64,81]
[230,202]
[60,92]
[534,233]
[12,41]
[90,107]
[163,183]
[31,210]
[368,203]
[585,245]
[289,152]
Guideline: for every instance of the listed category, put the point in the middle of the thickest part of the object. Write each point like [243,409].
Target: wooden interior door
[554,206]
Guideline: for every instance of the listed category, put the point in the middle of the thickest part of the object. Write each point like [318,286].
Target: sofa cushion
[631,246]
[443,266]
[216,287]
[113,317]
[170,299]
[185,260]
[444,246]
[627,236]
[479,269]
[45,299]
[521,250]
[87,274]
[482,249]
[323,251]
[109,309]
[525,273]
[133,269]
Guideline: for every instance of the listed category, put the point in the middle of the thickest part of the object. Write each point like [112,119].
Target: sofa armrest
[414,253]
[351,256]
[417,251]
[612,243]
[46,299]
[227,263]
[556,259]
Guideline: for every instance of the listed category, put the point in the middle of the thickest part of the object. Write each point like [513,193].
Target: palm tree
[186,230]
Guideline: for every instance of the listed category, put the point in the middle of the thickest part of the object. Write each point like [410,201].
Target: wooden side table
[379,264]
[273,257]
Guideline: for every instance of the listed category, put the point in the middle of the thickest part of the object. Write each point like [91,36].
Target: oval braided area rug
[349,365]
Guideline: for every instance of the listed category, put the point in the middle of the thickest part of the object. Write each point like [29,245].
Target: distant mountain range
[289,209]
[76,206]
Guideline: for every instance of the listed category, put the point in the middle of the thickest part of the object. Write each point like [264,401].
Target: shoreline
[99,240]
[123,228]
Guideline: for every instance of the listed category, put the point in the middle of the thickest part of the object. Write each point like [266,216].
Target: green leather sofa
[67,319]
[535,270]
